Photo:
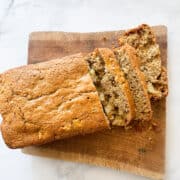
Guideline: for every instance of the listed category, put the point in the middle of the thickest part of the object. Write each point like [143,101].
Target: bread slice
[48,101]
[128,60]
[143,40]
[112,86]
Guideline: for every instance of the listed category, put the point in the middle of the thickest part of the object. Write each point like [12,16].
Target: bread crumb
[104,38]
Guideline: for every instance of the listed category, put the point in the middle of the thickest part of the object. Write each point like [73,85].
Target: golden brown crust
[113,66]
[142,113]
[48,101]
[138,30]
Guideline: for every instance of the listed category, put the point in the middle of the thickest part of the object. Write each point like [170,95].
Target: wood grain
[140,150]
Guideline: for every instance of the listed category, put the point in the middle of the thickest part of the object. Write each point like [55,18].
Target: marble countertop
[20,17]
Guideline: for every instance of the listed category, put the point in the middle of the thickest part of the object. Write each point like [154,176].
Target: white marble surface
[19,17]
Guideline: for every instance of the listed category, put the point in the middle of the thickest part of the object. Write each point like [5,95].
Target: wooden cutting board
[140,150]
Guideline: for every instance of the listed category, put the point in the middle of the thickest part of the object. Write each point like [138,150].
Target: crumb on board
[104,38]
[150,138]
[142,150]
[128,127]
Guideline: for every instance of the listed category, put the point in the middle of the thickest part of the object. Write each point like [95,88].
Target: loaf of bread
[114,91]
[48,101]
[143,40]
[81,94]
[129,63]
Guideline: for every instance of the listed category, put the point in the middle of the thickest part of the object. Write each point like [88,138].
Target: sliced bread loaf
[112,87]
[143,40]
[128,60]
